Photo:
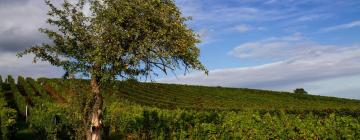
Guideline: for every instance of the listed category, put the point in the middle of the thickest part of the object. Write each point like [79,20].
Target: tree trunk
[94,132]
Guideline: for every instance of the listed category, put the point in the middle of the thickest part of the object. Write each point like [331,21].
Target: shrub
[1,82]
[300,91]
[7,120]
[52,121]
[132,80]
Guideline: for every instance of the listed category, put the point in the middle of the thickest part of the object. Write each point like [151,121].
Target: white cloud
[270,2]
[312,17]
[215,11]
[279,48]
[241,28]
[206,36]
[343,26]
[300,65]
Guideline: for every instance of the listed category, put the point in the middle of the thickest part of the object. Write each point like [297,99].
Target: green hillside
[171,96]
[135,110]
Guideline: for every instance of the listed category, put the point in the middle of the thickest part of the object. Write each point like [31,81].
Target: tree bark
[94,132]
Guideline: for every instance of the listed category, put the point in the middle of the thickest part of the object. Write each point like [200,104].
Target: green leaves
[141,122]
[118,38]
[7,119]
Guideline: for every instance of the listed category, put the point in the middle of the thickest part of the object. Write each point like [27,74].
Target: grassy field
[135,110]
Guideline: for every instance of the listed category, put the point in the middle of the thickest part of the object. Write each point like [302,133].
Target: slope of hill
[136,110]
[172,96]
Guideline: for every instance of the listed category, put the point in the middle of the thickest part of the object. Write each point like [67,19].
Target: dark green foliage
[54,121]
[129,120]
[300,91]
[19,99]
[213,98]
[132,81]
[7,120]
[1,83]
[38,89]
[24,85]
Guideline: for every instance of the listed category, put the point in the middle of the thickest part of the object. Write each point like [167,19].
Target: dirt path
[49,90]
[37,93]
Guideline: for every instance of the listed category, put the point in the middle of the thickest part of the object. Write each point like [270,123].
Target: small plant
[300,91]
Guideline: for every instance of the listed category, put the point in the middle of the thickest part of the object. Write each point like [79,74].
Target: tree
[110,39]
[1,82]
[300,91]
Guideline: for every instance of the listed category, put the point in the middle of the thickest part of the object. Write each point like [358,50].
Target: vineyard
[53,109]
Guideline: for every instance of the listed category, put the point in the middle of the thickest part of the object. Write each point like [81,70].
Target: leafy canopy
[126,38]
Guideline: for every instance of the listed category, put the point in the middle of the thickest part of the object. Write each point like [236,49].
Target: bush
[300,91]
[1,82]
[53,121]
[7,120]
[132,80]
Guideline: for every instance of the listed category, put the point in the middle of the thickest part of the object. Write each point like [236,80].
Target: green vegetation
[19,99]
[7,117]
[127,120]
[300,91]
[136,110]
[1,81]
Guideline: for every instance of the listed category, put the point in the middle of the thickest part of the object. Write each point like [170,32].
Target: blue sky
[226,24]
[278,44]
[266,44]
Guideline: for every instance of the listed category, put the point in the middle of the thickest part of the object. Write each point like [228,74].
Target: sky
[265,44]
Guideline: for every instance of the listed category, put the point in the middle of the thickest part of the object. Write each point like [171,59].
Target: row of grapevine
[205,98]
[7,117]
[173,96]
[127,120]
[33,94]
[19,99]
[129,112]
[55,89]
[38,89]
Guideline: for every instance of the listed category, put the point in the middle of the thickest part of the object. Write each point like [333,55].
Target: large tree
[111,39]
